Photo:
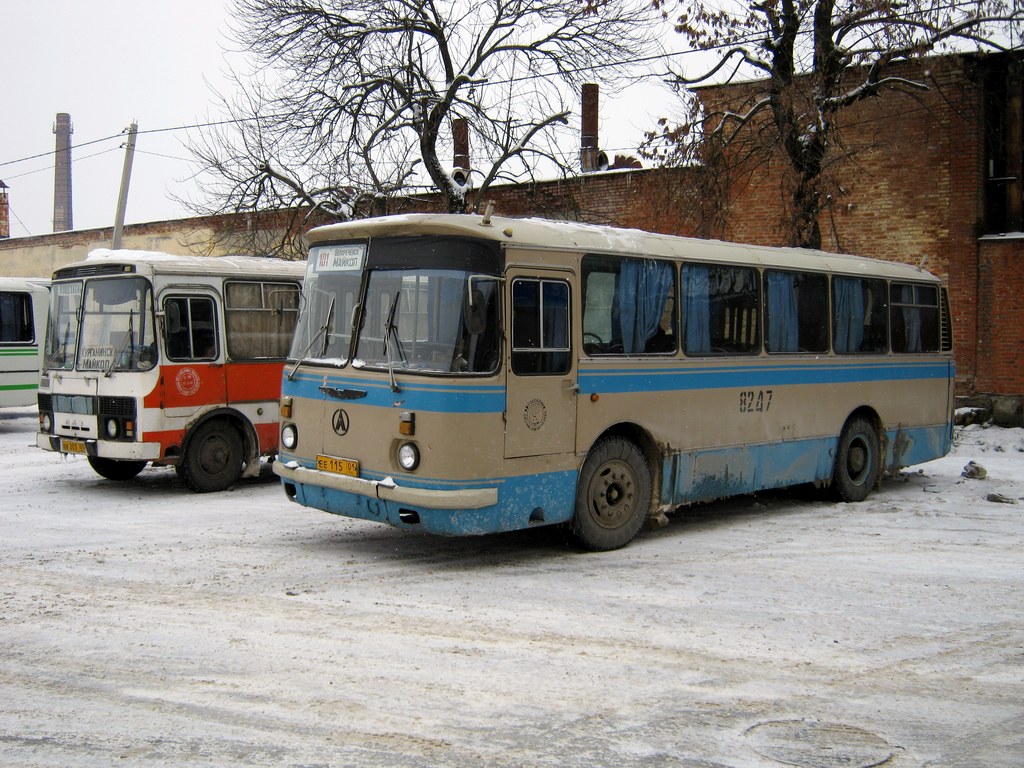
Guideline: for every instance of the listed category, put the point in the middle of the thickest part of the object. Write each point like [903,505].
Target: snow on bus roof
[594,238]
[168,262]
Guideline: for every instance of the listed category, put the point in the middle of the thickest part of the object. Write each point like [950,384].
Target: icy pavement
[144,625]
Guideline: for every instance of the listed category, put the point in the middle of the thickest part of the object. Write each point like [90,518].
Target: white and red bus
[169,360]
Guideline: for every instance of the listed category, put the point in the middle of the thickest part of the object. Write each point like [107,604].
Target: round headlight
[408,456]
[112,428]
[46,424]
[289,436]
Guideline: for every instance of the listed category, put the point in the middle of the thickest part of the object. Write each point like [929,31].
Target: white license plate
[72,446]
[338,466]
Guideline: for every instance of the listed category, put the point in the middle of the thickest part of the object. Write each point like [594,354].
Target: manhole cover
[813,744]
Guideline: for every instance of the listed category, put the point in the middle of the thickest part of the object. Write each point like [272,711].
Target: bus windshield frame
[103,324]
[411,305]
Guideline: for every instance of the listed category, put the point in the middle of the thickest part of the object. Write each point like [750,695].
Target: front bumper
[102,448]
[388,490]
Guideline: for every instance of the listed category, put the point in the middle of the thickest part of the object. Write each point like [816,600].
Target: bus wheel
[857,461]
[613,496]
[213,457]
[116,470]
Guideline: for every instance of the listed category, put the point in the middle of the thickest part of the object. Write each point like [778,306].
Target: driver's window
[540,327]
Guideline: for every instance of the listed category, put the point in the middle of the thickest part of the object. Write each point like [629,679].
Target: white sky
[110,62]
[105,63]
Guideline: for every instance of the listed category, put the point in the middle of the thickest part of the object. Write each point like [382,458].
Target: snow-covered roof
[155,262]
[546,234]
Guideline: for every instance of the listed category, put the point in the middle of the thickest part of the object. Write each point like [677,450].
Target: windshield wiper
[321,331]
[61,353]
[391,330]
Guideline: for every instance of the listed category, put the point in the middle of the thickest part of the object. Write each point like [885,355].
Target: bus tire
[857,460]
[112,469]
[613,497]
[213,457]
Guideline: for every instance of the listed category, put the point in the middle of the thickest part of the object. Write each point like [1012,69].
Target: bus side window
[796,312]
[860,317]
[259,318]
[628,306]
[540,327]
[914,318]
[721,310]
[15,318]
[191,328]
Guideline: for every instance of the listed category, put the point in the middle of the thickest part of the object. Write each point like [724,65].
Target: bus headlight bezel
[408,456]
[289,436]
[112,428]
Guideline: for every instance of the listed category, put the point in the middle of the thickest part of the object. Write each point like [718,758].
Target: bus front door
[540,400]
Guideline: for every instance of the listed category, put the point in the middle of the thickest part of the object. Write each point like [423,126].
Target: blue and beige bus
[463,374]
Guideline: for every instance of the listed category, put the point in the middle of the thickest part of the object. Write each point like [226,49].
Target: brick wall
[1000,351]
[911,189]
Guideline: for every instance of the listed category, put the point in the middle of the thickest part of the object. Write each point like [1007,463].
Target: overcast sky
[109,62]
[106,63]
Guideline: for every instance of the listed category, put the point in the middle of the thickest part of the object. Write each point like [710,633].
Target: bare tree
[353,102]
[813,59]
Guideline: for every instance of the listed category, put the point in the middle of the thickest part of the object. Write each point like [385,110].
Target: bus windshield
[429,320]
[106,325]
[417,311]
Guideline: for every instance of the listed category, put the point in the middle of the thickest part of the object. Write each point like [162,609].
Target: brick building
[934,177]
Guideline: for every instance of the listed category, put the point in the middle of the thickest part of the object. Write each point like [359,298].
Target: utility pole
[126,175]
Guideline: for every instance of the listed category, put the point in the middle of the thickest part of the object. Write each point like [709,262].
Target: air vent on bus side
[947,325]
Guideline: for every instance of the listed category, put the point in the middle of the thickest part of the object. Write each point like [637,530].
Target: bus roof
[590,238]
[153,262]
[24,283]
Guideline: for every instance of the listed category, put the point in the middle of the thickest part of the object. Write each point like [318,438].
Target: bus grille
[45,403]
[91,270]
[117,406]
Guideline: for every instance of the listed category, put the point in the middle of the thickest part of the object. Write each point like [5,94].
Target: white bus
[23,304]
[466,375]
[174,360]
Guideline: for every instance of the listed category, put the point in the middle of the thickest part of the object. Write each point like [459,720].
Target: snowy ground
[141,624]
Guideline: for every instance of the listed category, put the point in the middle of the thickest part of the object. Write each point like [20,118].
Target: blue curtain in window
[696,309]
[643,290]
[911,320]
[848,315]
[783,328]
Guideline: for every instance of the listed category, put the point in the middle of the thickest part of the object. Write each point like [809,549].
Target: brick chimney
[62,218]
[5,213]
[591,157]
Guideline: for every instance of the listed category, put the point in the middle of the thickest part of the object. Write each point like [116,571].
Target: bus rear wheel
[613,496]
[857,460]
[112,469]
[213,457]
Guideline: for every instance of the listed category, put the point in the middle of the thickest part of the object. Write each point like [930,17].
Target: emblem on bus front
[340,423]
